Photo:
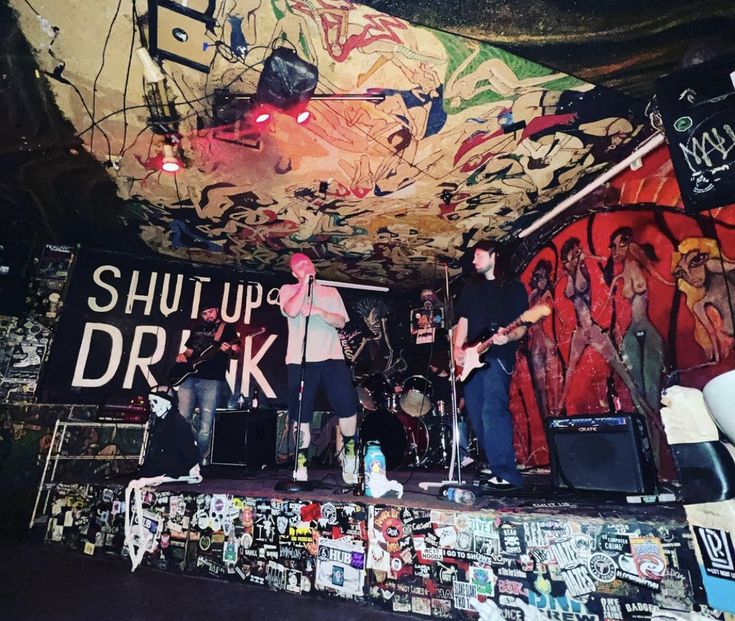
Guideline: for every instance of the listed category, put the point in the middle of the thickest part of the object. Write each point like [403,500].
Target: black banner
[125,319]
[698,110]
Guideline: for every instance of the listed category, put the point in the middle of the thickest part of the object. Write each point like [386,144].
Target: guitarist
[489,301]
[207,387]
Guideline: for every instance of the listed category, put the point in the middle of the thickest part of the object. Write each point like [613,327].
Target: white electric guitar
[474,353]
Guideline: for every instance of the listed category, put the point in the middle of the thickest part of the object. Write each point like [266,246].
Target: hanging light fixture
[171,161]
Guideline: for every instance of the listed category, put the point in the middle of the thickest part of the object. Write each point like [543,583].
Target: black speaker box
[602,453]
[244,438]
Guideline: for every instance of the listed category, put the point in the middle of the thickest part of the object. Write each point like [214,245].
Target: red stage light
[262,117]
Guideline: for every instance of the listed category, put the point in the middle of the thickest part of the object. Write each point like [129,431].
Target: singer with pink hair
[324,361]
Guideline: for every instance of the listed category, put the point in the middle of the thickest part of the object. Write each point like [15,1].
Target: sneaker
[349,469]
[497,484]
[302,474]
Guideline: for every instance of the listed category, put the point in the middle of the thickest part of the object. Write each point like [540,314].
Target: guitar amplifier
[244,438]
[603,453]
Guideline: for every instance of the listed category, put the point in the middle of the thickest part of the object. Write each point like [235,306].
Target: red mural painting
[642,298]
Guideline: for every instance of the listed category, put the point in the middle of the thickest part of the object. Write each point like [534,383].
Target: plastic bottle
[460,496]
[374,464]
[255,401]
[241,402]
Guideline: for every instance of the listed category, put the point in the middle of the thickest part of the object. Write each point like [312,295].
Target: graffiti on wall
[642,297]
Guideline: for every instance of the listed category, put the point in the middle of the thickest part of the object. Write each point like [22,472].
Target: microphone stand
[455,458]
[292,485]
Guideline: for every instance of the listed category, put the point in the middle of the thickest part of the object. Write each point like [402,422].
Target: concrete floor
[39,583]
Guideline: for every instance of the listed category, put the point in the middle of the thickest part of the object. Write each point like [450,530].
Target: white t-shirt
[323,341]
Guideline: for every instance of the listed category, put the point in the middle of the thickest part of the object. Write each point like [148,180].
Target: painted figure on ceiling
[706,277]
[587,332]
[545,360]
[490,75]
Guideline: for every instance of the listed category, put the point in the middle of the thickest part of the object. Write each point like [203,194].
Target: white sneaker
[349,469]
[302,474]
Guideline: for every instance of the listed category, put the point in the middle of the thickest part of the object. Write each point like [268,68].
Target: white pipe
[653,142]
[351,285]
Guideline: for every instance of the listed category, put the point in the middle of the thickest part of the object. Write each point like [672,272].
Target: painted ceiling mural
[460,141]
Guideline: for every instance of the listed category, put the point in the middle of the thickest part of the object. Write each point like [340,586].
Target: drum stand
[455,458]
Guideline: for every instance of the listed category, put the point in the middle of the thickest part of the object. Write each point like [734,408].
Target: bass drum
[403,439]
[374,391]
[416,396]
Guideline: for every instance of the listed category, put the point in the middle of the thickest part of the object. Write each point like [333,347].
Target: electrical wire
[99,73]
[32,9]
[127,80]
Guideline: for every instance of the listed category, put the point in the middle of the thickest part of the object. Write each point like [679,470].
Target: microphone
[311,284]
[444,259]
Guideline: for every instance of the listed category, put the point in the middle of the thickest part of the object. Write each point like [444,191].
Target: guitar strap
[219,332]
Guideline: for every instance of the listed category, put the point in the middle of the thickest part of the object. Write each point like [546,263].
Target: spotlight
[261,116]
[170,163]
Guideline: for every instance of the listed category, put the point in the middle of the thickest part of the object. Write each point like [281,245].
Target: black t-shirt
[202,336]
[489,305]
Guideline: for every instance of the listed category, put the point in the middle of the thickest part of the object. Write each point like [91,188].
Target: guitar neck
[487,343]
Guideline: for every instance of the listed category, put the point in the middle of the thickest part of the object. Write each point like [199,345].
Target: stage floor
[538,493]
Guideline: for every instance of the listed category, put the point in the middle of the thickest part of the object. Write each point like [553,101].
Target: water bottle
[460,496]
[241,402]
[255,401]
[374,464]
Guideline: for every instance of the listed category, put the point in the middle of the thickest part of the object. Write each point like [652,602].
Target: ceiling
[469,140]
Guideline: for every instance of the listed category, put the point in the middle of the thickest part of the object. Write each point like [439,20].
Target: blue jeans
[204,394]
[486,398]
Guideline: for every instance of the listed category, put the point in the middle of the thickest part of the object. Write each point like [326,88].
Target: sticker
[718,554]
[464,593]
[602,567]
[205,542]
[483,579]
[341,566]
[89,548]
[649,557]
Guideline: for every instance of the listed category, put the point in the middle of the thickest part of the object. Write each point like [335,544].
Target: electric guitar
[474,353]
[183,370]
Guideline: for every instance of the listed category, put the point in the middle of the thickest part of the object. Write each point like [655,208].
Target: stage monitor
[698,112]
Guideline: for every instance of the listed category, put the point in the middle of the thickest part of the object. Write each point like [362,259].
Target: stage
[577,557]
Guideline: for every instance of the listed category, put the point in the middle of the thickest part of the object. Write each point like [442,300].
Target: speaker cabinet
[244,438]
[602,453]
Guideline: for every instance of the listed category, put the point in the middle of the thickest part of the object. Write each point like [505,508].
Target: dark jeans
[204,394]
[336,378]
[486,398]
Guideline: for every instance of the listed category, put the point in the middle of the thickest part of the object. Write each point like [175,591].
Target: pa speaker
[602,453]
[244,438]
[286,80]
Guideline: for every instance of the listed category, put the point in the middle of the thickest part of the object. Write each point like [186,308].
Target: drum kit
[412,429]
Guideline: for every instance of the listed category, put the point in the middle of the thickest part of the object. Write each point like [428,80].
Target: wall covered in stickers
[642,297]
[443,563]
